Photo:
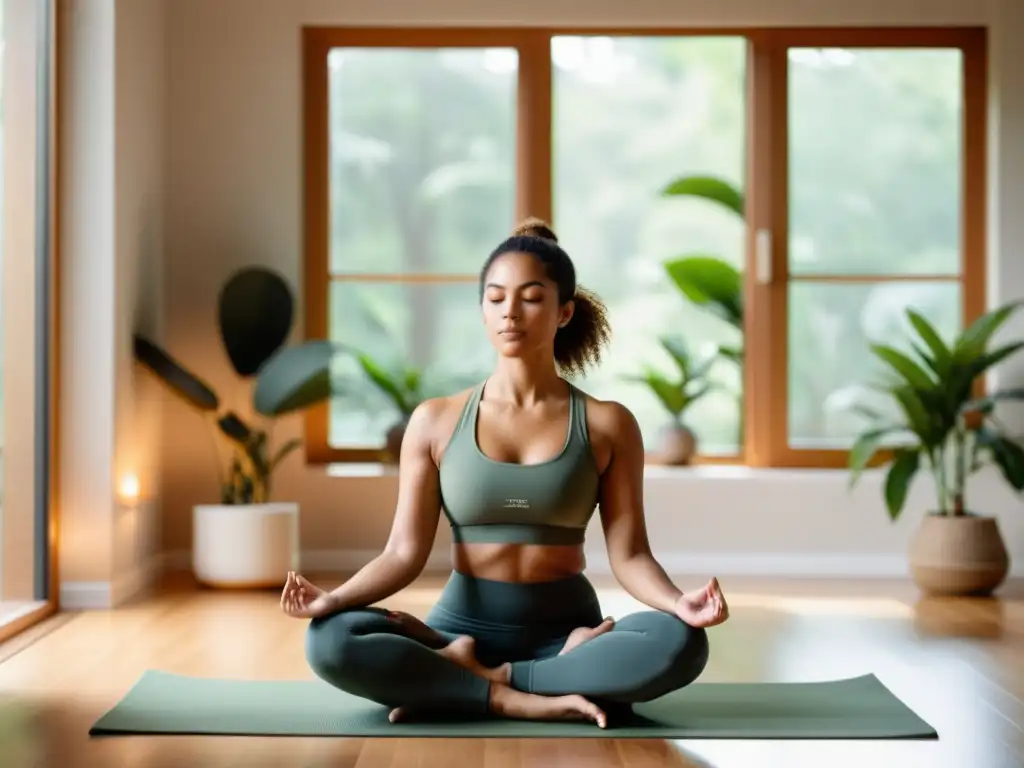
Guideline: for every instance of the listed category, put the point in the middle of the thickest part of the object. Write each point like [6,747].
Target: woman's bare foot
[508,702]
[462,650]
[580,635]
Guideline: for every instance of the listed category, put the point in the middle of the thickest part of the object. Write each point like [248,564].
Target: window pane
[631,115]
[422,154]
[874,152]
[434,327]
[831,327]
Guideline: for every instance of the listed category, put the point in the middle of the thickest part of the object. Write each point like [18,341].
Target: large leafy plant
[706,280]
[941,426]
[255,312]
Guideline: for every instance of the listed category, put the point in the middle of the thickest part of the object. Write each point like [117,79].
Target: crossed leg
[396,660]
[639,658]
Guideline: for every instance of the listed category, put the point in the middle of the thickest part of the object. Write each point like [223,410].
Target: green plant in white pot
[248,539]
[942,428]
[677,441]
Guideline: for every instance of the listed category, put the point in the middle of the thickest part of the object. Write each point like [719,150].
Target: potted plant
[247,539]
[677,442]
[953,434]
[405,390]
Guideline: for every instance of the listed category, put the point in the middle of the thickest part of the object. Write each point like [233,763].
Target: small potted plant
[405,390]
[677,442]
[944,428]
[247,539]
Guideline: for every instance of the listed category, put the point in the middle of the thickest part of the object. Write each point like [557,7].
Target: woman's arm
[622,513]
[416,517]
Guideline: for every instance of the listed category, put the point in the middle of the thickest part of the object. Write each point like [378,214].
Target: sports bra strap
[578,404]
[468,415]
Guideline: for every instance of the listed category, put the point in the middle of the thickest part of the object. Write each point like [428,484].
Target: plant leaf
[679,352]
[413,378]
[710,283]
[975,338]
[1007,454]
[173,374]
[295,378]
[986,403]
[283,451]
[234,428]
[897,482]
[903,365]
[709,188]
[942,356]
[864,448]
[254,311]
[384,381]
[917,415]
[731,353]
[671,395]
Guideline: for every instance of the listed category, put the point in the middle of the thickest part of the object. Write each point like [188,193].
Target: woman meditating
[518,464]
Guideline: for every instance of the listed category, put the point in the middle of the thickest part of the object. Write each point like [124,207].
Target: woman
[518,464]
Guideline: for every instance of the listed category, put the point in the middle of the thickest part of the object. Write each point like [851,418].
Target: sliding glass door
[27,583]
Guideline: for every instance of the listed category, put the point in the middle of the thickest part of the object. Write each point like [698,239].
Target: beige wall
[233,143]
[140,199]
[112,244]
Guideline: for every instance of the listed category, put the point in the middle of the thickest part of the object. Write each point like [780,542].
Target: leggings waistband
[570,601]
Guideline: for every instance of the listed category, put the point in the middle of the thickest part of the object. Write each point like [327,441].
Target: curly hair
[580,343]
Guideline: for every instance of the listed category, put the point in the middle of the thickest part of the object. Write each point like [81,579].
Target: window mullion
[764,333]
[533,127]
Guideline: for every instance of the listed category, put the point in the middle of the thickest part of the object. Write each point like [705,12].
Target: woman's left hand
[704,608]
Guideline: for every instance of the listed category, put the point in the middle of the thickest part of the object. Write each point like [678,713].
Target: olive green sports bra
[499,502]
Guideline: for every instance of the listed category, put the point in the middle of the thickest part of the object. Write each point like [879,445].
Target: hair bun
[534,227]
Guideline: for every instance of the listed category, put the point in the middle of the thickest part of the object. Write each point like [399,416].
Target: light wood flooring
[958,663]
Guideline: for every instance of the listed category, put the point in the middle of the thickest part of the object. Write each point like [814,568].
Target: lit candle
[129,489]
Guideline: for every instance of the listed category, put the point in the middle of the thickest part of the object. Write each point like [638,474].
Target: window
[27,591]
[824,181]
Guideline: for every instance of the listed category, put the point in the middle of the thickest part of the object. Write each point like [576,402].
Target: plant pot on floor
[958,555]
[245,546]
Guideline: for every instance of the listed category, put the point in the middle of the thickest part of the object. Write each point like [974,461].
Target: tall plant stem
[959,483]
[937,460]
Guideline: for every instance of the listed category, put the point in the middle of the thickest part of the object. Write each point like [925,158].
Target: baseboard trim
[778,565]
[86,595]
[103,595]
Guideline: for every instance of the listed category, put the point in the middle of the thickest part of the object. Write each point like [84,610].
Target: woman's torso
[519,484]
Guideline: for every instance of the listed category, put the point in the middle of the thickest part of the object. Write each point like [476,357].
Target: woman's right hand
[301,599]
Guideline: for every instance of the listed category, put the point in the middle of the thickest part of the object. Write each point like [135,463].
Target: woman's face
[520,305]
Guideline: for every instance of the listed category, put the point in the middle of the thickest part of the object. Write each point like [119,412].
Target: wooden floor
[958,663]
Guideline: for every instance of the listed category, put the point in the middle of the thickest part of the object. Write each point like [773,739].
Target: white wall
[111,260]
[233,133]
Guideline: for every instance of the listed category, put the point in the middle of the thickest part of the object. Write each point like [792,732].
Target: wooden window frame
[765,385]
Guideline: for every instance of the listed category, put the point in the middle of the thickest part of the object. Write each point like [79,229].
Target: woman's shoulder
[434,419]
[608,419]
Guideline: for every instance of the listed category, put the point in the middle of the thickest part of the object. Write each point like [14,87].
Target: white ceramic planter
[245,546]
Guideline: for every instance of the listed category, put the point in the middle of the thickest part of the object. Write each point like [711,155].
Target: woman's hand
[301,599]
[704,608]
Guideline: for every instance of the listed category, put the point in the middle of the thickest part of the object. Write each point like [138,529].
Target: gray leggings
[646,655]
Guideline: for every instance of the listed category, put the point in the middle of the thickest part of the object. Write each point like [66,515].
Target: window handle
[763,257]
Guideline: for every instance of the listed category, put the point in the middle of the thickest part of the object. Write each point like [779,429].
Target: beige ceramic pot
[958,555]
[677,445]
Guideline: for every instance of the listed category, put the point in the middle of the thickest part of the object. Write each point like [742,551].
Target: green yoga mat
[857,708]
